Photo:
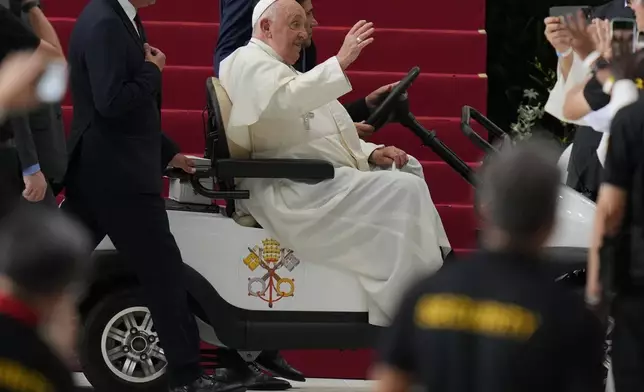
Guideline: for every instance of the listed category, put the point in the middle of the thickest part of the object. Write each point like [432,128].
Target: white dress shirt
[130,11]
[623,94]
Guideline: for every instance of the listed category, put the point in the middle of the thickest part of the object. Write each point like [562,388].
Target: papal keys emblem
[271,257]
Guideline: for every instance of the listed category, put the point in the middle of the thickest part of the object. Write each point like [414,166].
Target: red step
[432,95]
[184,88]
[398,42]
[445,184]
[186,128]
[412,14]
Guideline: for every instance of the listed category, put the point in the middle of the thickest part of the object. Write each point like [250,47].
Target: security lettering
[16,378]
[461,313]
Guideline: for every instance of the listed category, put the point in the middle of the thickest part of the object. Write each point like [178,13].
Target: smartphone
[52,85]
[624,30]
[561,12]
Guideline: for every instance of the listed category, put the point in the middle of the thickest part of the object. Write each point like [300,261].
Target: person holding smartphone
[15,35]
[584,167]
[19,75]
[40,135]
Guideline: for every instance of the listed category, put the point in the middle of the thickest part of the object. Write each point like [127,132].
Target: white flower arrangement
[532,108]
[528,114]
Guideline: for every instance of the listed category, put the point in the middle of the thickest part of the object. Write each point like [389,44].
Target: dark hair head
[43,251]
[518,190]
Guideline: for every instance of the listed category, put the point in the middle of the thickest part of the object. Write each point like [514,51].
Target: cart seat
[231,157]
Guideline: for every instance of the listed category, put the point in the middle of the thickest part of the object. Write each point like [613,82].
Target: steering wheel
[380,116]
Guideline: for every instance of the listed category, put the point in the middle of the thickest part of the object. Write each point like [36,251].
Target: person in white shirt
[574,67]
[379,224]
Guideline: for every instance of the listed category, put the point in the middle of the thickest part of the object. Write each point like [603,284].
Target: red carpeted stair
[451,52]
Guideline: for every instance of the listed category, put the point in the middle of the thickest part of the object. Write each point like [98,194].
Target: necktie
[139,27]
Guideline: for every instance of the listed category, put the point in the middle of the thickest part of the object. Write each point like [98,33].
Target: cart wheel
[119,348]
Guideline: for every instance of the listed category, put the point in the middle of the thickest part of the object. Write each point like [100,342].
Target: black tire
[92,362]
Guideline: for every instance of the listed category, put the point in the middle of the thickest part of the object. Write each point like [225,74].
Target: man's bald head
[283,27]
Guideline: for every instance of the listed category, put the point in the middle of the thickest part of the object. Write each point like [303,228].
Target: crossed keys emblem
[271,287]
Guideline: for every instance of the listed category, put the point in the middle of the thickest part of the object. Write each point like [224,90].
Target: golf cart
[247,291]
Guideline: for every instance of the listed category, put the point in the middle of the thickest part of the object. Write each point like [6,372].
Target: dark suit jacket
[40,139]
[234,28]
[308,59]
[116,144]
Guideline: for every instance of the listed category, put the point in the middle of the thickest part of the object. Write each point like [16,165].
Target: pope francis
[379,224]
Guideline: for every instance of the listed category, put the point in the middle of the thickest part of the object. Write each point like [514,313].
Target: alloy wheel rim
[130,346]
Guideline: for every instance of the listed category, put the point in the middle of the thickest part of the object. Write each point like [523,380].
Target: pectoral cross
[307,120]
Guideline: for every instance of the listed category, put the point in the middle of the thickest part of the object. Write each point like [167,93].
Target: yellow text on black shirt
[17,378]
[484,317]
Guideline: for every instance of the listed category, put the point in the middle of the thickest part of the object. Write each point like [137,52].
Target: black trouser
[138,226]
[584,167]
[628,343]
[11,183]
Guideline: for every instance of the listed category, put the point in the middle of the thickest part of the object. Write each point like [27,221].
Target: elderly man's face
[288,32]
[310,19]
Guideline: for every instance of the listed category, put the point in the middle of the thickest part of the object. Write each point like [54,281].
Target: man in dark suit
[114,179]
[584,168]
[234,28]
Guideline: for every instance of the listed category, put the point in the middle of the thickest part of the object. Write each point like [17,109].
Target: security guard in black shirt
[620,219]
[43,257]
[497,322]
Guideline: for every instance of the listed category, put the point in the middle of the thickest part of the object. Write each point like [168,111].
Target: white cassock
[380,224]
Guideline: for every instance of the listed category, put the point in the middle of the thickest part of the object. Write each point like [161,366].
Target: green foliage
[521,66]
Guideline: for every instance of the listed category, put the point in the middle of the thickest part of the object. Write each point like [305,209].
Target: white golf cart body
[227,255]
[246,290]
[250,270]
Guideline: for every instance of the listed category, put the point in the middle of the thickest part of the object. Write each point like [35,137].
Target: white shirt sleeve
[599,120]
[623,94]
[578,73]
